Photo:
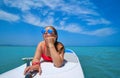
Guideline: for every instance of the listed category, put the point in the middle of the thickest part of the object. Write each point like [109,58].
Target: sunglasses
[49,31]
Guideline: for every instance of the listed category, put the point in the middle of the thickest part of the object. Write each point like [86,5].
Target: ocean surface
[97,62]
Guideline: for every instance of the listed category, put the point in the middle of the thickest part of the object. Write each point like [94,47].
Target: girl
[49,49]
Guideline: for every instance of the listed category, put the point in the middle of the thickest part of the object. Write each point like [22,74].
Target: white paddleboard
[70,69]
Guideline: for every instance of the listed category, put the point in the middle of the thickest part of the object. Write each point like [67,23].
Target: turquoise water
[97,62]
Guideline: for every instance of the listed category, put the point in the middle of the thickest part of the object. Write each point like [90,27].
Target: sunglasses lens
[50,31]
[43,31]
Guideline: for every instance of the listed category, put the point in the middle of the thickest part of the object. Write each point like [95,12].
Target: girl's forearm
[57,60]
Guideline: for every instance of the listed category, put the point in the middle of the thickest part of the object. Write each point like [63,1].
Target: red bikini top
[46,58]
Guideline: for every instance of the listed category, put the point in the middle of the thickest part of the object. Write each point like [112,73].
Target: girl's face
[48,32]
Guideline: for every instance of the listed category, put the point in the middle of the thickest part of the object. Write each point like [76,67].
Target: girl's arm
[35,61]
[57,57]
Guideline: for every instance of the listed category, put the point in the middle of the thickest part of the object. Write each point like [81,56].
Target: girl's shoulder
[41,43]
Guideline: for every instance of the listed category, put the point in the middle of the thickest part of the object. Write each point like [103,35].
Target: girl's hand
[32,68]
[50,41]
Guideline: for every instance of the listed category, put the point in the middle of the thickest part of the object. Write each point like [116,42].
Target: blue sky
[78,22]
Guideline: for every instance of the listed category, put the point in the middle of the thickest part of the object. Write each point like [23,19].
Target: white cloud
[100,32]
[70,28]
[24,5]
[31,19]
[36,21]
[73,28]
[77,10]
[62,23]
[53,4]
[8,16]
[97,21]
